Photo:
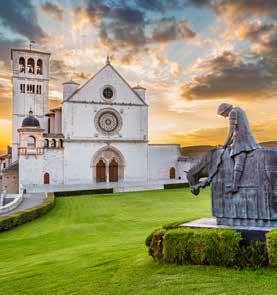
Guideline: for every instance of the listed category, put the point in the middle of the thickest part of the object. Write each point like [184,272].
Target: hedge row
[176,185]
[21,217]
[271,244]
[222,247]
[84,192]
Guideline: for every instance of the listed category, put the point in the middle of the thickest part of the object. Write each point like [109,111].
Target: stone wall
[161,158]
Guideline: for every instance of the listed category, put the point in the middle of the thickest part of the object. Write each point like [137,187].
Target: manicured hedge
[175,185]
[201,246]
[271,243]
[84,192]
[21,217]
[222,247]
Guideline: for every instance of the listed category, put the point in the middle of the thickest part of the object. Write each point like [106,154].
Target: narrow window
[39,67]
[4,165]
[28,88]
[22,88]
[31,142]
[22,65]
[31,66]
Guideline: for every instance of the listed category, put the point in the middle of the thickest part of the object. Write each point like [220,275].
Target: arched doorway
[46,178]
[108,165]
[172,173]
[101,171]
[113,171]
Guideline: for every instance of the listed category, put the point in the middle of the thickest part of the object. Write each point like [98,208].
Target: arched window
[46,143]
[31,142]
[31,66]
[172,173]
[53,143]
[61,143]
[46,178]
[22,65]
[39,67]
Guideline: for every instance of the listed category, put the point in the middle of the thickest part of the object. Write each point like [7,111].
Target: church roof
[30,121]
[108,64]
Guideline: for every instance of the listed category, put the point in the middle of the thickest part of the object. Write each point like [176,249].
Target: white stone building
[97,138]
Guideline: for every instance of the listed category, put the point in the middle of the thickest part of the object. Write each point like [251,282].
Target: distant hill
[200,150]
[269,144]
[195,151]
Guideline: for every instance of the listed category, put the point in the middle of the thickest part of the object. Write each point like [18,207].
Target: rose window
[108,121]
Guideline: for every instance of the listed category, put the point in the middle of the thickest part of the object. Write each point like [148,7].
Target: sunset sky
[191,55]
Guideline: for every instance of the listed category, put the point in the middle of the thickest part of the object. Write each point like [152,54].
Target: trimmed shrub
[21,217]
[196,246]
[271,244]
[156,245]
[253,255]
[176,185]
[84,192]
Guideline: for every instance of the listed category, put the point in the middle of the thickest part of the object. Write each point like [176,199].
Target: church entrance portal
[108,165]
[100,171]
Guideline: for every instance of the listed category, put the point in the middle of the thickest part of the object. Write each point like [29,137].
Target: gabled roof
[97,73]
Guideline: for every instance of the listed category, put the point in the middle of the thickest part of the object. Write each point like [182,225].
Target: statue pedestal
[249,233]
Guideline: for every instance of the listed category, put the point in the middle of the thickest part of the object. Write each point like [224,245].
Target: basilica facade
[99,134]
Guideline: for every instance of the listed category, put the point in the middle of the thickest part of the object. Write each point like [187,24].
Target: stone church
[98,137]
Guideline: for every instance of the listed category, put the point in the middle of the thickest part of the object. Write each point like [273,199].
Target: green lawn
[95,245]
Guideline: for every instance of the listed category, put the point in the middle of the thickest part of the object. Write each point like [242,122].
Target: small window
[4,165]
[39,67]
[31,142]
[108,93]
[22,65]
[38,89]
[61,143]
[22,88]
[172,173]
[31,66]
[46,143]
[53,143]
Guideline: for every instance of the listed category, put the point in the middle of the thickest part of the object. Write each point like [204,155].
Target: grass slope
[95,245]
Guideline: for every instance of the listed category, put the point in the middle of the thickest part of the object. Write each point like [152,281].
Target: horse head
[206,168]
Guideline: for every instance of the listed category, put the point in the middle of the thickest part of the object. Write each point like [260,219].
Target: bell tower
[30,77]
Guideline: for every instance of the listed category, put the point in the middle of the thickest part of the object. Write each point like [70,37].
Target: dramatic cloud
[239,9]
[169,30]
[126,31]
[229,76]
[20,17]
[6,45]
[53,10]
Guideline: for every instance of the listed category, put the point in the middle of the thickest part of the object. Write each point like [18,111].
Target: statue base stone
[249,233]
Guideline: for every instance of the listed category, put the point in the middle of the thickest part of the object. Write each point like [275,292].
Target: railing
[30,151]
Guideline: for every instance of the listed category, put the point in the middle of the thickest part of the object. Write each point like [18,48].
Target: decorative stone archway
[108,165]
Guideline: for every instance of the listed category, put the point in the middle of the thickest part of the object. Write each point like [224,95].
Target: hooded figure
[240,139]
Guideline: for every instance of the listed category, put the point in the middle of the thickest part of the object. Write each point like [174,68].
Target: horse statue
[255,202]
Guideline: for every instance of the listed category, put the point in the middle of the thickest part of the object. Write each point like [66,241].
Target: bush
[271,244]
[253,255]
[21,217]
[84,192]
[156,245]
[176,185]
[196,246]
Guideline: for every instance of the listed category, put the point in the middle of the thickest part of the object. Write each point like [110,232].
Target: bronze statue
[242,175]
[240,140]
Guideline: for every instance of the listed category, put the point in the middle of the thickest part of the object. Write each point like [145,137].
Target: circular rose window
[108,121]
[108,93]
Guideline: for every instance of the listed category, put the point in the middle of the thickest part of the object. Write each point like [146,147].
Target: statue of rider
[240,140]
